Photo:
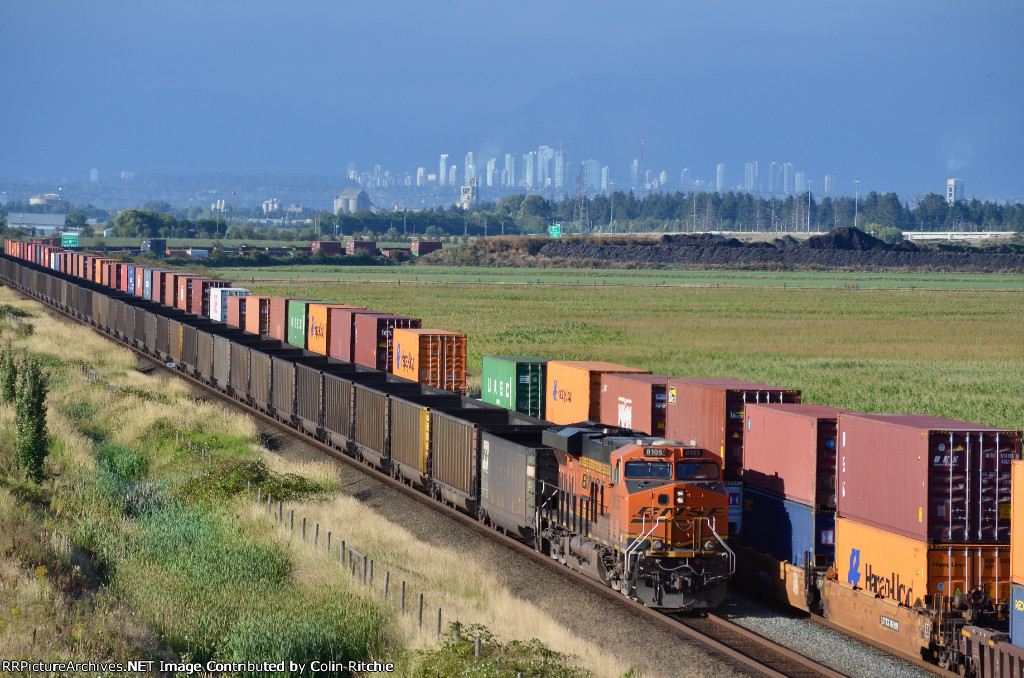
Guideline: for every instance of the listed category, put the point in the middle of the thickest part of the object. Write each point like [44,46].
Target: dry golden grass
[462,586]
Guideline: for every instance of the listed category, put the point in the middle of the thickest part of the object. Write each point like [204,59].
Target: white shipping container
[218,301]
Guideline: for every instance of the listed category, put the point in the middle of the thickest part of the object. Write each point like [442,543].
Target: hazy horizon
[900,96]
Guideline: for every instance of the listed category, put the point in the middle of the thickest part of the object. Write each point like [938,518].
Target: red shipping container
[236,311]
[927,477]
[375,339]
[709,412]
[278,320]
[183,297]
[342,322]
[140,280]
[790,450]
[169,287]
[635,401]
[257,315]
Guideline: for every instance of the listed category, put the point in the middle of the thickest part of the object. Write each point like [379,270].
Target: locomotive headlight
[709,545]
[680,496]
[657,545]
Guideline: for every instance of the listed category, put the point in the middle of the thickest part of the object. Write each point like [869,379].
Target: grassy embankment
[941,352]
[136,549]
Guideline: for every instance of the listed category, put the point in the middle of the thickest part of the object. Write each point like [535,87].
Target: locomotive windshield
[648,470]
[696,470]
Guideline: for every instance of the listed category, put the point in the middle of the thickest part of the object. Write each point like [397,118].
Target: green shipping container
[515,382]
[298,310]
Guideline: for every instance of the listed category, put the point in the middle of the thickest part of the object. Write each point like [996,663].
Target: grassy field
[612,277]
[942,352]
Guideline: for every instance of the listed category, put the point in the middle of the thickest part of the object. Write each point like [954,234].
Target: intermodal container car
[218,301]
[515,382]
[635,401]
[926,477]
[790,449]
[709,413]
[516,469]
[573,392]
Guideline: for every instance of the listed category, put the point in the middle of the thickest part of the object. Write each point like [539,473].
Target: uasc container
[515,382]
[790,449]
[710,413]
[927,477]
[433,357]
[574,389]
[908,570]
[635,401]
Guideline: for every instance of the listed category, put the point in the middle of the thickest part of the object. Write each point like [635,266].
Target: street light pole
[809,182]
[856,202]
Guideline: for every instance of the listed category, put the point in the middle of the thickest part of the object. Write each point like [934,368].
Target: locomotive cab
[647,517]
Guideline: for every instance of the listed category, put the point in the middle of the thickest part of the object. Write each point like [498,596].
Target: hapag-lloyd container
[907,570]
[790,450]
[218,301]
[635,401]
[324,322]
[433,357]
[574,389]
[515,382]
[927,477]
[1017,518]
[709,412]
[375,339]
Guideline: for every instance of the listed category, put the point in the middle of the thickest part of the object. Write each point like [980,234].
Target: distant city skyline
[817,88]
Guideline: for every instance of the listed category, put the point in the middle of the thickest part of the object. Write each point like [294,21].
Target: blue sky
[898,94]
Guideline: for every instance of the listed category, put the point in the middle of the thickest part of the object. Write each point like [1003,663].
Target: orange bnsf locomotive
[645,516]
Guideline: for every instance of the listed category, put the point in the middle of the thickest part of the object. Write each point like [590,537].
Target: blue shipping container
[785,529]
[131,280]
[147,284]
[1017,614]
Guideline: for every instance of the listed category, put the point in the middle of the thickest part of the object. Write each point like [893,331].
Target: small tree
[33,444]
[8,375]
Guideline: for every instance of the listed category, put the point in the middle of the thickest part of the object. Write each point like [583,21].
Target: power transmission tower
[580,215]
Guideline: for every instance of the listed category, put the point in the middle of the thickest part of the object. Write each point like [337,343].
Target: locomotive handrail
[732,555]
[635,545]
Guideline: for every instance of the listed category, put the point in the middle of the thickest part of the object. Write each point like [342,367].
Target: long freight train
[648,517]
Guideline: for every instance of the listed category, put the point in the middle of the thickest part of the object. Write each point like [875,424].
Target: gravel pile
[810,639]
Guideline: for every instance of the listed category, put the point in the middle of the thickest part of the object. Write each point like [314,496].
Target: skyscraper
[559,169]
[544,157]
[421,176]
[94,176]
[787,178]
[510,169]
[954,190]
[634,174]
[491,171]
[684,179]
[470,170]
[531,169]
[720,177]
[605,176]
[828,184]
[442,175]
[751,177]
[773,184]
[801,182]
[453,175]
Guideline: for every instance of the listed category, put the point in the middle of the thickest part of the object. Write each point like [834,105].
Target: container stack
[635,401]
[218,301]
[432,357]
[374,342]
[789,482]
[515,382]
[1017,553]
[923,507]
[324,323]
[574,389]
[709,412]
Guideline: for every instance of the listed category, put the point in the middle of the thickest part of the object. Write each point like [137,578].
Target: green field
[949,352]
[609,277]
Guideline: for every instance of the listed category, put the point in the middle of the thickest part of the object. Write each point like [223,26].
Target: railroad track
[728,642]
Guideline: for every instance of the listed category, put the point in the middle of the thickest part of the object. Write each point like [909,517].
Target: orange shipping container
[1017,521]
[320,325]
[574,389]
[900,568]
[432,357]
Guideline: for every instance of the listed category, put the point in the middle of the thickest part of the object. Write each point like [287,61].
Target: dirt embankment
[842,249]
